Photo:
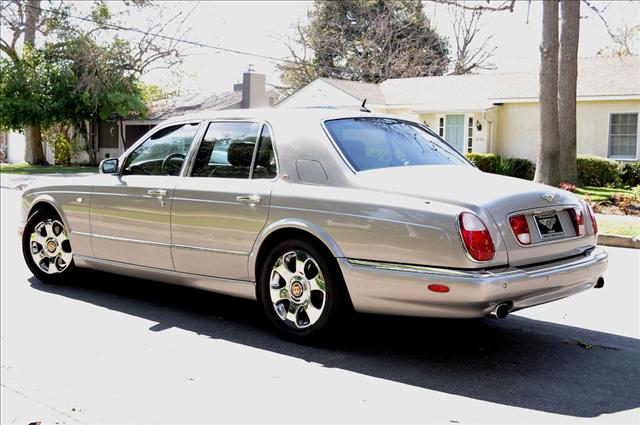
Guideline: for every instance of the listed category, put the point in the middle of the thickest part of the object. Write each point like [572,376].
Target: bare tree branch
[505,5]
[466,26]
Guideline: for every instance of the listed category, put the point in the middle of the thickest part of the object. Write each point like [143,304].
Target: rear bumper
[387,288]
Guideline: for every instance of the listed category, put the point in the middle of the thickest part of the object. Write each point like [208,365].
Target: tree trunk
[567,80]
[547,167]
[33,152]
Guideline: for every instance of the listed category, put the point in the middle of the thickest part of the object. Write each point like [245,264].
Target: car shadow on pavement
[516,362]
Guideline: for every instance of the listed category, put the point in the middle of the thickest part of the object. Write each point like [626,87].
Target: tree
[100,80]
[468,59]
[547,167]
[365,41]
[24,19]
[567,90]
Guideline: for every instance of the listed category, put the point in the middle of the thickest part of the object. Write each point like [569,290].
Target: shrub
[487,162]
[63,150]
[568,186]
[596,171]
[630,173]
[516,167]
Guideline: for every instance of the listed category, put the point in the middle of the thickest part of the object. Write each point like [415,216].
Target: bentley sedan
[314,213]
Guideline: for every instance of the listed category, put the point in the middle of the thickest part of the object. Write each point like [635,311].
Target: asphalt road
[113,349]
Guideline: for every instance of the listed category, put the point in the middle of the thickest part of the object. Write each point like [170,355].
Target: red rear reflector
[577,218]
[476,237]
[438,288]
[520,228]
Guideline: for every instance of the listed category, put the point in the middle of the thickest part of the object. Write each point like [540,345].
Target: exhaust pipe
[600,283]
[500,311]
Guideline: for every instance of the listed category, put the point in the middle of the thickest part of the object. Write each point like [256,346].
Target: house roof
[177,106]
[370,91]
[598,77]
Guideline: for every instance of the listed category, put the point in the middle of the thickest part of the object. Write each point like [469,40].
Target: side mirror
[109,166]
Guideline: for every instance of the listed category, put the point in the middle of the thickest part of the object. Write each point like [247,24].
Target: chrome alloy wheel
[50,247]
[297,289]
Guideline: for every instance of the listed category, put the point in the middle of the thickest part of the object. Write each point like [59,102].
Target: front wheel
[300,290]
[46,247]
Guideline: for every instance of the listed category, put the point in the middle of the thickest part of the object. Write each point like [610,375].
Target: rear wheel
[301,290]
[46,247]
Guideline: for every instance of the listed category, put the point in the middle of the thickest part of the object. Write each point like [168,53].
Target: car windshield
[370,143]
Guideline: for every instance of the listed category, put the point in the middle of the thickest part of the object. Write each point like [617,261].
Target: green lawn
[613,227]
[599,194]
[24,168]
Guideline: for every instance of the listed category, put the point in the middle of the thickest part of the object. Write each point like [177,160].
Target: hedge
[592,170]
[596,171]
[513,167]
[630,173]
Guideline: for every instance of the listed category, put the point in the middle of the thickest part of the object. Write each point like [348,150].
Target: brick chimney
[253,90]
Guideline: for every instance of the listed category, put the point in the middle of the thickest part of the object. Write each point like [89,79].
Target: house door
[454,132]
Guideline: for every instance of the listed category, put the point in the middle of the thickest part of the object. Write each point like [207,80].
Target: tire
[292,293]
[46,247]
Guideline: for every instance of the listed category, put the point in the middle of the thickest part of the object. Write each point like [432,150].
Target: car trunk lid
[501,197]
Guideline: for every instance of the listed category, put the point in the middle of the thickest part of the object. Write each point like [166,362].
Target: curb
[619,241]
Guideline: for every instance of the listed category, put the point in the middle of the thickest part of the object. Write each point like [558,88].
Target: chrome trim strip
[168,245]
[75,232]
[590,256]
[212,250]
[60,191]
[138,241]
[209,201]
[170,272]
[407,268]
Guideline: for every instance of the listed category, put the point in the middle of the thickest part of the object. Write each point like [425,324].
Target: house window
[441,127]
[623,135]
[470,136]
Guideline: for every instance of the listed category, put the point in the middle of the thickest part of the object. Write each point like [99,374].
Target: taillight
[593,219]
[476,237]
[577,218]
[520,228]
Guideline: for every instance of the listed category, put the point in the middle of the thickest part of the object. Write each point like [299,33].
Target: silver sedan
[315,213]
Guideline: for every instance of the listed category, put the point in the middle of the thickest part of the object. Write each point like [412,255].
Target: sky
[260,26]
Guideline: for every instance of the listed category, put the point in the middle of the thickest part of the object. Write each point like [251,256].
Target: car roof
[273,114]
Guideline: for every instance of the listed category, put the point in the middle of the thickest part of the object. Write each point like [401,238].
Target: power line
[186,41]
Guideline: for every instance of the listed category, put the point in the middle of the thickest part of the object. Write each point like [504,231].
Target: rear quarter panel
[379,226]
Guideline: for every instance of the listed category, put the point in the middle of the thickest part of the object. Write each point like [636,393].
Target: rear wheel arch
[289,233]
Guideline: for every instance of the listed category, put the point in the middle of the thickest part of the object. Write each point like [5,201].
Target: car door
[131,210]
[221,207]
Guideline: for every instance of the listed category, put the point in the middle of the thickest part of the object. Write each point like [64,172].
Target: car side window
[162,154]
[226,150]
[265,166]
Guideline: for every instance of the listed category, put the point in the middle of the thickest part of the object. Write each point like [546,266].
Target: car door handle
[157,192]
[249,199]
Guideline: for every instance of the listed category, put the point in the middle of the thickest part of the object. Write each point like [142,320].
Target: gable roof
[370,91]
[598,77]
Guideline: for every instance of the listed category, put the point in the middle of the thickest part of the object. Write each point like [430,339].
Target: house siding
[518,129]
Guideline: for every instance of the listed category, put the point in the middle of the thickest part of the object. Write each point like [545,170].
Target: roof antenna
[364,108]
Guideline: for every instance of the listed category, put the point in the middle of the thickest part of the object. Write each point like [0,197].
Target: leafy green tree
[365,40]
[73,78]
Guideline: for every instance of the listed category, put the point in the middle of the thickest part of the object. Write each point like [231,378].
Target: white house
[499,113]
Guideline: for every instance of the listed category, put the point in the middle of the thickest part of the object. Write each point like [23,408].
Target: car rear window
[370,143]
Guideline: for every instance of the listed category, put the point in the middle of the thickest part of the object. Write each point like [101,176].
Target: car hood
[465,186]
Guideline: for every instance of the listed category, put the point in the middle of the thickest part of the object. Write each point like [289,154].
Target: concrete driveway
[113,349]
